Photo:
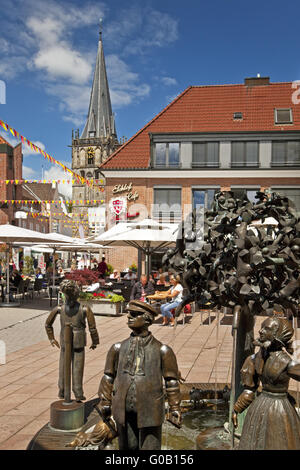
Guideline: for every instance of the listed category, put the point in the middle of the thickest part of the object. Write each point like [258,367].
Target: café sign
[126,188]
[117,206]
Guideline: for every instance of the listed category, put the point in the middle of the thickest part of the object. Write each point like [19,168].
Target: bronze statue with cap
[131,389]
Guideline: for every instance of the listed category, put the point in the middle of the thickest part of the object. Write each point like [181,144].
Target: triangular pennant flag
[3,125]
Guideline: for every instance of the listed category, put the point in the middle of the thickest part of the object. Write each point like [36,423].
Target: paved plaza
[28,380]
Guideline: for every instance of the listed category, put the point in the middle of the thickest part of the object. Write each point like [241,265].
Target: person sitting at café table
[141,289]
[115,275]
[176,295]
[38,274]
[130,275]
[15,278]
[161,281]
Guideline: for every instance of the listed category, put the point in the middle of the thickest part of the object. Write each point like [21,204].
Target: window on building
[205,154]
[92,134]
[167,155]
[10,163]
[286,153]
[244,154]
[240,193]
[167,204]
[237,116]
[31,226]
[292,193]
[203,198]
[283,116]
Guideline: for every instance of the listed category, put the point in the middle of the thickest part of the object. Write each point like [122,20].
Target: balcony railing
[167,216]
[285,163]
[205,164]
[245,164]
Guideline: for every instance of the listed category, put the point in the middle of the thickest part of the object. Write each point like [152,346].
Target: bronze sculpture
[131,389]
[73,315]
[245,263]
[272,422]
[241,266]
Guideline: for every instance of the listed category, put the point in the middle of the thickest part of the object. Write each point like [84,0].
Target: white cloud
[168,81]
[56,173]
[60,61]
[140,28]
[27,150]
[125,86]
[29,173]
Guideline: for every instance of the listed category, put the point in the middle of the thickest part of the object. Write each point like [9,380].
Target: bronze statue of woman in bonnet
[272,422]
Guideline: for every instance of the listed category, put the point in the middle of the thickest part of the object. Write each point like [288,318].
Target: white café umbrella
[55,241]
[11,234]
[147,235]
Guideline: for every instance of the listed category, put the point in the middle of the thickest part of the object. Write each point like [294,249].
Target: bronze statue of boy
[131,388]
[72,313]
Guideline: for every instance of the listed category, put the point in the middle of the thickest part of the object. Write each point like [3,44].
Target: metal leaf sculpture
[240,261]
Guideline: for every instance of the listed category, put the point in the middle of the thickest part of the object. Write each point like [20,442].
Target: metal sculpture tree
[229,261]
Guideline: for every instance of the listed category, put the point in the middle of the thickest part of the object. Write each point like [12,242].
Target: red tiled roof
[3,141]
[43,191]
[210,109]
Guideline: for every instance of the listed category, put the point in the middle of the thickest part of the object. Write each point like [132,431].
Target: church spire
[100,121]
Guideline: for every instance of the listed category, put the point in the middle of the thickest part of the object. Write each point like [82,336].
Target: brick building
[243,137]
[10,169]
[28,209]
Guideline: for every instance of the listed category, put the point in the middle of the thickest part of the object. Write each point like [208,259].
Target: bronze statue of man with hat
[131,389]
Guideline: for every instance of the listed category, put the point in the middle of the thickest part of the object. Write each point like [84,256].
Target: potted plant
[84,277]
[102,303]
[109,270]
[133,268]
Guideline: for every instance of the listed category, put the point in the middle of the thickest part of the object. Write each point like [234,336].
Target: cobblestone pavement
[25,325]
[28,380]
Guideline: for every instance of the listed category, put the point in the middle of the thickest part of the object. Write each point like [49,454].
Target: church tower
[97,141]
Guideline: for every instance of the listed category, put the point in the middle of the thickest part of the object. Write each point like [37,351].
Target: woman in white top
[176,294]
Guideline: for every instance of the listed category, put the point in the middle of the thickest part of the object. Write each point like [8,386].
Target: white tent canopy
[11,234]
[147,235]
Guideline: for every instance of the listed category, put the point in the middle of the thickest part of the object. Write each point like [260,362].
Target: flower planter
[104,307]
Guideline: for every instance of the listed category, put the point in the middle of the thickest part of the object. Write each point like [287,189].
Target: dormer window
[167,155]
[283,116]
[237,116]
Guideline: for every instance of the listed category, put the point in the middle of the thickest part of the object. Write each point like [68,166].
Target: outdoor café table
[158,296]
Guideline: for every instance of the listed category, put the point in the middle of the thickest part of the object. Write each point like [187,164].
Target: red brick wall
[6,215]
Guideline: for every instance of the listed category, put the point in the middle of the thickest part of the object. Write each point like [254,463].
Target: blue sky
[154,50]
